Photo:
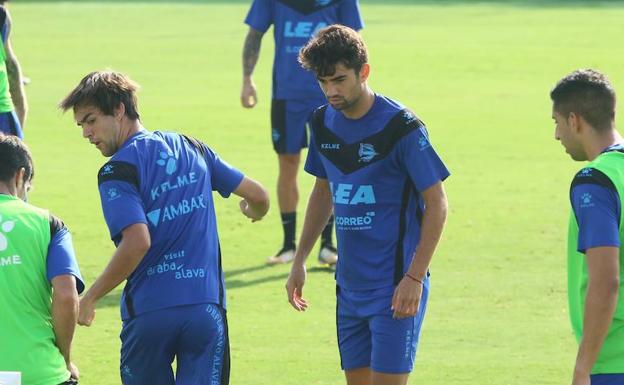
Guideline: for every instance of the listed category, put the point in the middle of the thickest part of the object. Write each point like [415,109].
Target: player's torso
[610,164]
[295,22]
[25,294]
[175,187]
[375,202]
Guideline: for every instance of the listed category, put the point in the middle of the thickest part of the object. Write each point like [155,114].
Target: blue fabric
[291,138]
[368,335]
[61,258]
[9,124]
[368,203]
[607,379]
[597,209]
[195,335]
[174,198]
[292,30]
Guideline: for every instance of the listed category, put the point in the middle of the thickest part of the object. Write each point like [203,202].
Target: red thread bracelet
[413,278]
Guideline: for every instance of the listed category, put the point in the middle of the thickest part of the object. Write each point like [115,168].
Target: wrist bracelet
[413,278]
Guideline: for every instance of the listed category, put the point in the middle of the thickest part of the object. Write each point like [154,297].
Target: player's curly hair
[332,45]
[104,90]
[589,94]
[14,155]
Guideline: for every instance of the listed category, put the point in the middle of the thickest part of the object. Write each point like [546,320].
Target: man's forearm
[125,259]
[64,317]
[431,231]
[317,214]
[600,304]
[251,52]
[16,88]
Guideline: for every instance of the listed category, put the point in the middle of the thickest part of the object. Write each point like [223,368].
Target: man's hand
[73,370]
[249,97]
[86,312]
[406,298]
[294,287]
[248,211]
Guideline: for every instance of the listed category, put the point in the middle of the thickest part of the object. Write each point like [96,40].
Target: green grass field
[477,73]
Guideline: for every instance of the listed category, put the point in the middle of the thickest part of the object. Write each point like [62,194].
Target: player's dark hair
[104,90]
[332,45]
[14,155]
[587,93]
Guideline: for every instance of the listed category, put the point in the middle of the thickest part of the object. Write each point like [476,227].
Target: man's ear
[120,111]
[19,177]
[364,72]
[574,122]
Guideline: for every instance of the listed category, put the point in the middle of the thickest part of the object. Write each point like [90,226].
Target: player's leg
[360,376]
[9,124]
[354,339]
[148,349]
[203,356]
[288,121]
[395,341]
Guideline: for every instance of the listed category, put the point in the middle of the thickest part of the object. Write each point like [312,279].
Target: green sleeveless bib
[26,333]
[611,356]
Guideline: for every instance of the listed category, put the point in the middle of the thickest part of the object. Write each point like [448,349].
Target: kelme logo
[5,227]
[168,161]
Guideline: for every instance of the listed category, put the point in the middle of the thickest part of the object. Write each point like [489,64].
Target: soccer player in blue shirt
[295,95]
[156,194]
[584,114]
[376,168]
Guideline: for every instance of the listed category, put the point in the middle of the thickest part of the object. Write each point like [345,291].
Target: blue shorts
[289,120]
[368,336]
[607,379]
[196,335]
[9,124]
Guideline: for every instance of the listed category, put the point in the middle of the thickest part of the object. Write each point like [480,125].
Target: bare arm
[134,244]
[603,265]
[64,313]
[255,202]
[14,73]
[317,214]
[406,298]
[251,51]
[436,207]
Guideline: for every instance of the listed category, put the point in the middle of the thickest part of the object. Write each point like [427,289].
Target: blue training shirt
[61,259]
[377,167]
[597,207]
[295,21]
[165,180]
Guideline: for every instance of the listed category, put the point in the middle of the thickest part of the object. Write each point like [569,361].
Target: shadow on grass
[112,300]
[364,3]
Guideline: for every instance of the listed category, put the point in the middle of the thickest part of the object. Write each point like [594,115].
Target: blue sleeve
[62,259]
[420,160]
[597,210]
[349,14]
[122,206]
[260,15]
[224,178]
[313,164]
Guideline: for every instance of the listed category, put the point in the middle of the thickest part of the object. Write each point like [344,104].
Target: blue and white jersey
[165,180]
[377,167]
[597,207]
[295,21]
